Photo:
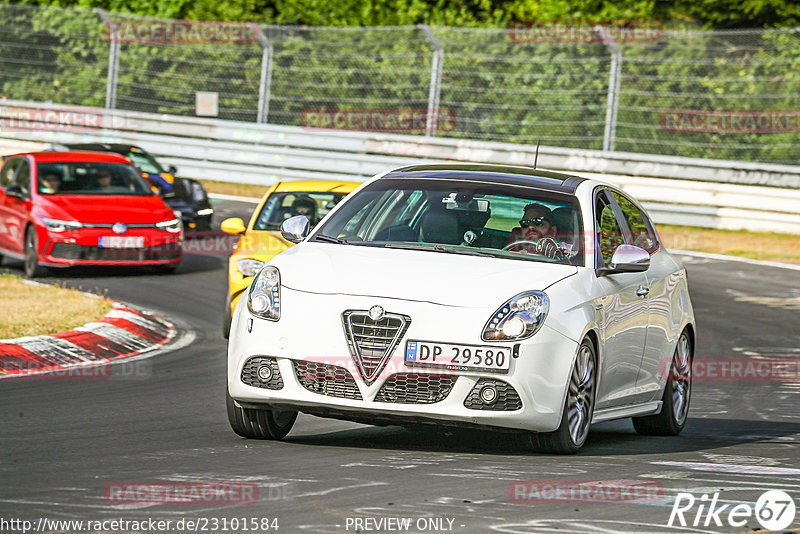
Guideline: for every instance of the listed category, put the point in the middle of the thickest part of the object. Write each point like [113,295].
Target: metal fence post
[265,80]
[612,102]
[114,38]
[436,80]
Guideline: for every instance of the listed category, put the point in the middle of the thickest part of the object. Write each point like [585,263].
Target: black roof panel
[103,147]
[503,174]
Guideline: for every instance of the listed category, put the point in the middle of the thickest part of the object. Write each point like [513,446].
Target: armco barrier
[693,192]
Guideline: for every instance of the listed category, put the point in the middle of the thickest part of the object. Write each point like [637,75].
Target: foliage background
[498,89]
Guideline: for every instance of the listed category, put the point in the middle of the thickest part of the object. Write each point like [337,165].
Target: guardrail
[692,192]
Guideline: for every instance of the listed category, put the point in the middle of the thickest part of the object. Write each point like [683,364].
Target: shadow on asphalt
[191,263]
[606,439]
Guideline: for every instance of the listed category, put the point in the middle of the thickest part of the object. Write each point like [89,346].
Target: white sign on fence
[207,104]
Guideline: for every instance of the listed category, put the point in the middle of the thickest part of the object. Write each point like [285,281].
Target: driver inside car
[536,233]
[304,205]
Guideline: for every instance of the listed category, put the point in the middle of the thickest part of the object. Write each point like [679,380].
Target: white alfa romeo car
[471,295]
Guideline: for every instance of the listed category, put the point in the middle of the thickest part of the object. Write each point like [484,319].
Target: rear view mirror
[234,226]
[628,259]
[14,191]
[295,229]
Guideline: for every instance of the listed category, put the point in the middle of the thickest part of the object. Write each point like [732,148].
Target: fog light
[488,394]
[265,372]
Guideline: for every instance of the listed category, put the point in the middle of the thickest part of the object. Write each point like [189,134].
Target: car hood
[441,278]
[261,245]
[105,209]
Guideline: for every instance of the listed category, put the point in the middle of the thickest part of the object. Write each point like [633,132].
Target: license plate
[121,241]
[458,357]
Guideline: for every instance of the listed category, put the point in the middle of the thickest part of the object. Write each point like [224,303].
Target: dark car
[181,194]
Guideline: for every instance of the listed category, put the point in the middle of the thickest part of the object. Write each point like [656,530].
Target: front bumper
[81,247]
[539,375]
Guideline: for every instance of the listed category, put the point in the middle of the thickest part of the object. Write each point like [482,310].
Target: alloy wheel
[581,395]
[681,379]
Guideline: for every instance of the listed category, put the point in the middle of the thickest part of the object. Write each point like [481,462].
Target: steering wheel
[519,244]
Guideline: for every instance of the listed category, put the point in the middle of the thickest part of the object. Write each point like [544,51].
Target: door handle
[642,291]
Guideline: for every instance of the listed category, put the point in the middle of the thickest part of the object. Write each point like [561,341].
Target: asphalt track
[62,441]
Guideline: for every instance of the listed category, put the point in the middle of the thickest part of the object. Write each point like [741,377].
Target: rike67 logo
[774,510]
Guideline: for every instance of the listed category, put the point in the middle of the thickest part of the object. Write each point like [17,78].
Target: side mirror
[172,169]
[14,191]
[295,229]
[233,226]
[628,259]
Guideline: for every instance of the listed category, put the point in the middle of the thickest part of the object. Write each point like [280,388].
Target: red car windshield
[89,178]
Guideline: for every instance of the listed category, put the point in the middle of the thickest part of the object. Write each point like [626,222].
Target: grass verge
[756,245]
[230,188]
[32,310]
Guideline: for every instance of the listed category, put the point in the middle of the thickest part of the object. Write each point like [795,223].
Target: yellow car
[262,239]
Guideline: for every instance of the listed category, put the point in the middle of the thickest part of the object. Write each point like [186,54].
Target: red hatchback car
[60,209]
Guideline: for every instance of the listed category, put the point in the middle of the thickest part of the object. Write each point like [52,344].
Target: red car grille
[73,251]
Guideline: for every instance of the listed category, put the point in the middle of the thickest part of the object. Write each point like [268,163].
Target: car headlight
[249,266]
[54,225]
[172,226]
[264,297]
[517,319]
[205,211]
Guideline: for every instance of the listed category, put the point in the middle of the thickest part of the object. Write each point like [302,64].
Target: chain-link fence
[723,94]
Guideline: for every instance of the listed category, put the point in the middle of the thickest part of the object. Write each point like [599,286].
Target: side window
[643,235]
[8,173]
[609,233]
[23,177]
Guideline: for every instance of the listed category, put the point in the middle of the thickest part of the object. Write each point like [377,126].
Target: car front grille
[507,397]
[372,341]
[73,251]
[325,379]
[415,388]
[250,373]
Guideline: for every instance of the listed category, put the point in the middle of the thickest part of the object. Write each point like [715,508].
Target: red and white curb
[124,332]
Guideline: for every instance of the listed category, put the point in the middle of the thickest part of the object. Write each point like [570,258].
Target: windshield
[461,217]
[82,178]
[145,162]
[281,206]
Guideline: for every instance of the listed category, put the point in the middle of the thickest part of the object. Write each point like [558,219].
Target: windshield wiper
[330,239]
[439,248]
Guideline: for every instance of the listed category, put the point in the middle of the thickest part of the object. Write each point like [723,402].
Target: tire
[259,424]
[32,267]
[579,405]
[677,395]
[227,319]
